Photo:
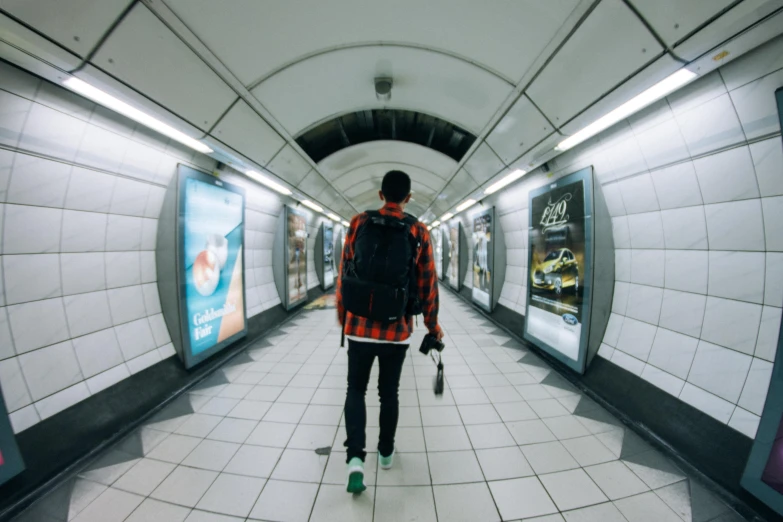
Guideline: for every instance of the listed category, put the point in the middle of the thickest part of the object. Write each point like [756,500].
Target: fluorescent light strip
[308,203]
[119,106]
[346,224]
[436,223]
[252,174]
[429,227]
[446,216]
[507,180]
[654,93]
[332,216]
[467,204]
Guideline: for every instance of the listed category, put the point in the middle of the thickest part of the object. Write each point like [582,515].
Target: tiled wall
[694,185]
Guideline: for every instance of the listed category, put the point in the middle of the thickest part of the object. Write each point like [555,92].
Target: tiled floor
[508,440]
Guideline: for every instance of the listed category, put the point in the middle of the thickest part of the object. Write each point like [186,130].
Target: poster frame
[183,174]
[455,223]
[12,462]
[324,227]
[490,257]
[289,305]
[584,175]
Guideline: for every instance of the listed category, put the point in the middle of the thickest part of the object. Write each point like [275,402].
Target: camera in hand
[430,342]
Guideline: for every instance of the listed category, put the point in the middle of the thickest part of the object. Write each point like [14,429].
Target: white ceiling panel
[77,25]
[313,183]
[256,38]
[400,153]
[423,178]
[244,130]
[675,19]
[145,54]
[457,189]
[289,165]
[483,164]
[608,47]
[522,127]
[341,81]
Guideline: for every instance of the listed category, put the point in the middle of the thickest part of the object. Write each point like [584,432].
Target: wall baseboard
[60,446]
[705,447]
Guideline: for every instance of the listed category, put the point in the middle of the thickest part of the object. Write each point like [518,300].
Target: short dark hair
[396,186]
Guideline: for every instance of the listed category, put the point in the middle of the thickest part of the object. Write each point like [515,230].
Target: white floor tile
[454,467]
[479,414]
[404,504]
[521,498]
[218,406]
[616,480]
[440,416]
[185,486]
[254,461]
[566,427]
[233,430]
[322,415]
[232,495]
[515,411]
[175,448]
[572,489]
[465,503]
[333,504]
[484,436]
[467,396]
[549,457]
[285,412]
[447,438]
[530,432]
[409,469]
[588,450]
[301,465]
[654,469]
[646,507]
[503,463]
[250,410]
[311,437]
[144,477]
[156,511]
[203,516]
[264,393]
[288,501]
[273,434]
[112,505]
[211,454]
[599,513]
[199,425]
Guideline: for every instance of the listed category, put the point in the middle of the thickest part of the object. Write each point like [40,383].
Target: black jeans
[360,358]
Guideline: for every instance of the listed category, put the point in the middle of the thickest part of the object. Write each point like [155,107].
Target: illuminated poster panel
[437,248]
[483,258]
[328,255]
[212,286]
[560,262]
[296,268]
[454,239]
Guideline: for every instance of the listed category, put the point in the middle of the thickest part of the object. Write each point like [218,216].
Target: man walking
[387,275]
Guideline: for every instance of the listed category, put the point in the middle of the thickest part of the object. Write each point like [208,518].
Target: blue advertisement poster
[212,227]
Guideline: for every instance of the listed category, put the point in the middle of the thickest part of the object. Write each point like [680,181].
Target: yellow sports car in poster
[558,270]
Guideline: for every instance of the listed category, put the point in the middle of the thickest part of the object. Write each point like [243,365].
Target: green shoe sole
[356,482]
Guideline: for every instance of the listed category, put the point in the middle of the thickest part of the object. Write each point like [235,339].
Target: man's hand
[439,334]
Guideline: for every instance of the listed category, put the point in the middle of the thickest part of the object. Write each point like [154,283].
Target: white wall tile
[141,161]
[614,201]
[148,267]
[59,99]
[768,162]
[52,133]
[646,230]
[6,339]
[735,226]
[135,338]
[56,403]
[622,264]
[636,338]
[126,304]
[769,331]
[31,230]
[651,116]
[159,331]
[50,369]
[626,157]
[7,158]
[697,93]
[82,272]
[683,312]
[644,303]
[620,298]
[606,351]
[613,329]
[733,324]
[773,222]
[621,232]
[676,186]
[745,422]
[756,106]
[83,231]
[665,381]
[13,113]
[102,149]
[151,298]
[154,202]
[687,270]
[166,351]
[30,332]
[124,233]
[89,190]
[662,144]
[710,404]
[727,176]
[673,352]
[710,126]
[632,364]
[759,62]
[37,181]
[14,388]
[143,362]
[130,197]
[737,275]
[719,370]
[24,418]
[108,378]
[754,393]
[87,313]
[97,352]
[773,290]
[123,269]
[638,194]
[149,233]
[31,277]
[647,267]
[685,228]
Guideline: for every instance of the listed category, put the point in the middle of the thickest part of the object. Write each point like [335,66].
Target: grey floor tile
[446,438]
[175,448]
[692,502]
[145,476]
[465,503]
[485,436]
[333,505]
[112,505]
[588,451]
[211,454]
[454,467]
[616,480]
[549,457]
[301,465]
[199,425]
[250,410]
[533,392]
[654,469]
[274,434]
[254,461]
[572,489]
[109,467]
[285,501]
[646,507]
[152,510]
[232,495]
[599,513]
[185,486]
[530,432]
[409,469]
[504,463]
[233,430]
[521,498]
[404,504]
[311,437]
[204,516]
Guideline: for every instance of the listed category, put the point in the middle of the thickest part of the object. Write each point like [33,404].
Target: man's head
[396,187]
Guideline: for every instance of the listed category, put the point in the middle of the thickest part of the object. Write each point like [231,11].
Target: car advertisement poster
[483,259]
[560,239]
[453,273]
[296,231]
[212,225]
[328,255]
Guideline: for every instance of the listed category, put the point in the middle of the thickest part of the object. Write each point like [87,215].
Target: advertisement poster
[453,274]
[483,261]
[211,220]
[437,248]
[328,255]
[560,236]
[11,463]
[296,229]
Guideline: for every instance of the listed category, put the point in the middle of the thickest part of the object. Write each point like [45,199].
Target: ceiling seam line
[358,45]
[647,25]
[45,37]
[710,20]
[105,36]
[223,115]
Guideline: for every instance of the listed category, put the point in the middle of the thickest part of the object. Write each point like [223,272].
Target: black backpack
[379,283]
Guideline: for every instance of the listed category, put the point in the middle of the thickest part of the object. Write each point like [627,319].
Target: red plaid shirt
[427,284]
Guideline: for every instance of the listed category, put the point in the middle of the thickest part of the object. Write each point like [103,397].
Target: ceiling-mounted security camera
[383,87]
